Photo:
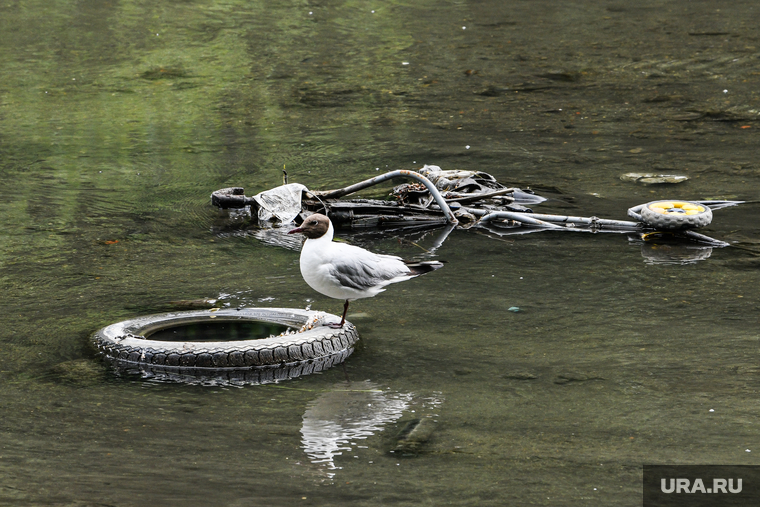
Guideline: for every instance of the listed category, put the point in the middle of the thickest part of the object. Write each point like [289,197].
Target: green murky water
[118,119]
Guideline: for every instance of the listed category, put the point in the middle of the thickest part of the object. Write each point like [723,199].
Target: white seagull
[348,272]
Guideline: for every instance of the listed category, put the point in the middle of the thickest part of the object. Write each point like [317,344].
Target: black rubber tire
[673,215]
[228,376]
[232,197]
[125,342]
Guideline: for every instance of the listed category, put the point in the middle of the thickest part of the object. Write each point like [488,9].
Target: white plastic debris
[283,202]
[444,180]
[653,179]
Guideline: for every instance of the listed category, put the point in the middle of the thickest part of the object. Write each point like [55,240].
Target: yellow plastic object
[653,236]
[681,207]
[671,215]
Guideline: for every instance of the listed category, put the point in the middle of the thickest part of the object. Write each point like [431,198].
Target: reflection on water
[674,253]
[277,235]
[654,252]
[239,223]
[334,420]
[354,411]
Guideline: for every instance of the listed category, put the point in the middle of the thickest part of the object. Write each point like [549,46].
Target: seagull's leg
[343,318]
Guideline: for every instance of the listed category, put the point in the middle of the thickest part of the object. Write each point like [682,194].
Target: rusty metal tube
[524,218]
[555,221]
[401,173]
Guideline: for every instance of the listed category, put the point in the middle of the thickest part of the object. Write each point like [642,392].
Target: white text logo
[698,486]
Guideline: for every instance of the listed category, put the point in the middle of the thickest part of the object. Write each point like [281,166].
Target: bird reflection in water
[333,422]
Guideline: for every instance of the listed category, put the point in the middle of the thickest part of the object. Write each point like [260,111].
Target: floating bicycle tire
[128,342]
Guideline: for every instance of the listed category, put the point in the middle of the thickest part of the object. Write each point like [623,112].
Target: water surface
[118,119]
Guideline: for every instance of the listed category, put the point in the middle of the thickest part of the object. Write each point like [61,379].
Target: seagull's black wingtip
[420,268]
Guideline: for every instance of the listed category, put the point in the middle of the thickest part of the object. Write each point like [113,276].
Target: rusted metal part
[561,221]
[538,222]
[478,197]
[518,217]
[369,213]
[401,173]
[454,199]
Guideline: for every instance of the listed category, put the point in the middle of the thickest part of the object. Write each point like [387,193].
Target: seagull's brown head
[313,227]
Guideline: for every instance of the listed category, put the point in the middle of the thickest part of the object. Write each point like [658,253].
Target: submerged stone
[520,375]
[568,377]
[414,435]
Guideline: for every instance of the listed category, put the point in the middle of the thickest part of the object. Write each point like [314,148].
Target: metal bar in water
[553,221]
[401,173]
[524,218]
[590,221]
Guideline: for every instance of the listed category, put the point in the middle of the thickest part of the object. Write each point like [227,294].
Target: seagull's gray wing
[363,269]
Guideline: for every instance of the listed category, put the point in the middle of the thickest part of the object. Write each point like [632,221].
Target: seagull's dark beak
[295,231]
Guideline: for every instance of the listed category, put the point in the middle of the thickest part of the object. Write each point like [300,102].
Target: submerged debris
[436,197]
[282,203]
[567,378]
[456,186]
[467,199]
[80,372]
[520,375]
[652,179]
[416,433]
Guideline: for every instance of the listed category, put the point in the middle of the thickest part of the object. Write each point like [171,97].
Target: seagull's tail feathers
[420,268]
